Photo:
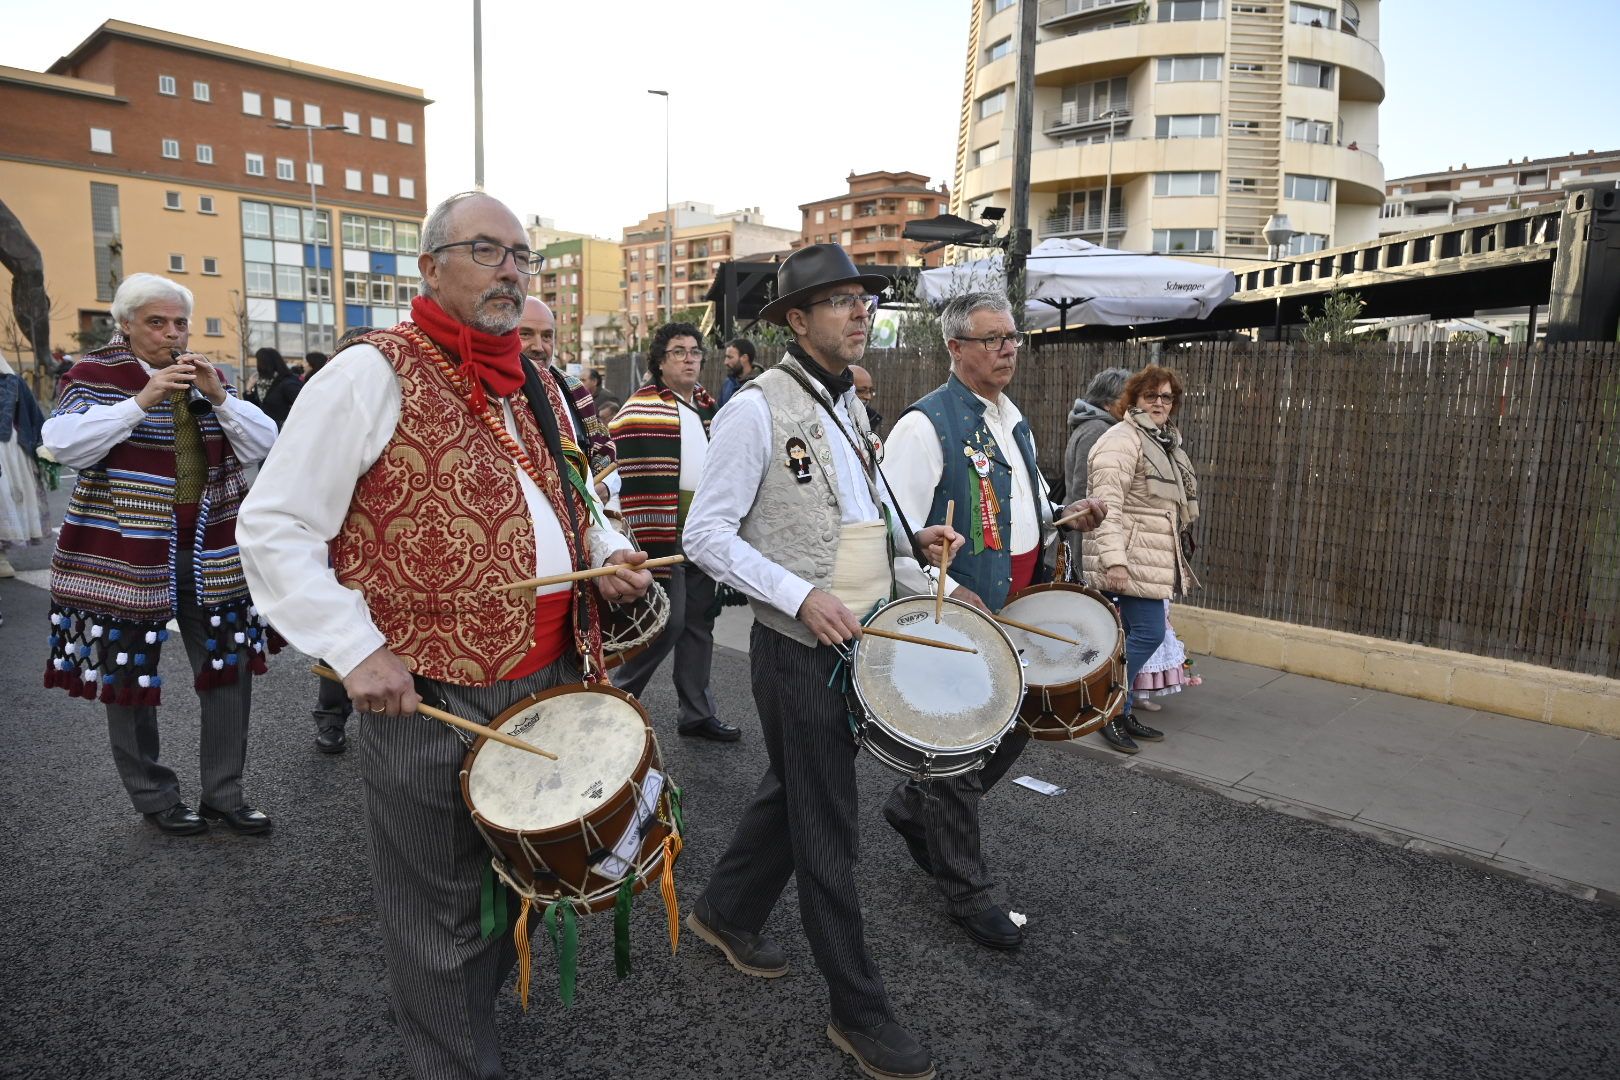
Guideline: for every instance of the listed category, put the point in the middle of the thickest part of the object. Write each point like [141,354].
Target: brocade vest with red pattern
[439,523]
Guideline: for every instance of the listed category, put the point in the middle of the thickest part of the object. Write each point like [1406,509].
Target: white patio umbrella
[1097,285]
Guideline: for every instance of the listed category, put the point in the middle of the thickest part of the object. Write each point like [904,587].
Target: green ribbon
[621,925]
[976,521]
[584,490]
[567,947]
[675,809]
[492,900]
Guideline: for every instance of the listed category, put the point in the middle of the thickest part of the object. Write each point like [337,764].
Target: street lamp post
[1112,116]
[1278,231]
[309,131]
[669,221]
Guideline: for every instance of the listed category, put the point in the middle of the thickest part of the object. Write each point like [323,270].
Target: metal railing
[1057,10]
[1082,222]
[1074,115]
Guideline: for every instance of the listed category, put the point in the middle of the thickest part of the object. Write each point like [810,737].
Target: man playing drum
[789,512]
[967,442]
[437,478]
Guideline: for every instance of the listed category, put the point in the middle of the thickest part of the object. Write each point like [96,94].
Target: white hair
[436,231]
[955,319]
[139,290]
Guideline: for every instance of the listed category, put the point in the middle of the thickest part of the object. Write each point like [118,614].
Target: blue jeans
[1143,620]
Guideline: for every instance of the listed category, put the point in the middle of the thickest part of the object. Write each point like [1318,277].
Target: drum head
[1068,611]
[935,698]
[598,740]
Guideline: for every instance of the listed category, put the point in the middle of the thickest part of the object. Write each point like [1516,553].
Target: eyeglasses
[487,253]
[865,392]
[1165,398]
[995,341]
[680,353]
[843,302]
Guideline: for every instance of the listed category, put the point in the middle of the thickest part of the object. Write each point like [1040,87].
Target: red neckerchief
[491,359]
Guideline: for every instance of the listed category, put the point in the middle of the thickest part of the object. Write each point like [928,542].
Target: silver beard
[493,322]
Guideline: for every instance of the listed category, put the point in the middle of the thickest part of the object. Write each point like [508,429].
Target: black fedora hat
[811,268]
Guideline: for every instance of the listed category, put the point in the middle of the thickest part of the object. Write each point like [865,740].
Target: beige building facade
[1441,198]
[1181,125]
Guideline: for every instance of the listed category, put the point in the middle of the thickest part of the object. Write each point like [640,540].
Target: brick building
[144,150]
[868,219]
[703,240]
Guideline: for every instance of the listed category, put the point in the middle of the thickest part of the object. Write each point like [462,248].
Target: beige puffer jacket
[1146,513]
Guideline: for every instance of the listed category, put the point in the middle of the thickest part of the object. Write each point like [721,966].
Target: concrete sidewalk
[1512,796]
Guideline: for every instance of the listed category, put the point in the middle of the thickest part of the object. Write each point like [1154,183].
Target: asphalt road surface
[1172,933]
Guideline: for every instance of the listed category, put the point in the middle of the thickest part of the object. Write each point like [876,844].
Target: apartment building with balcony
[580,284]
[868,219]
[1181,125]
[703,240]
[1441,198]
[145,150]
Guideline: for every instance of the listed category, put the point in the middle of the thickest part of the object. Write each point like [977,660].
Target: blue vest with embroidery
[958,418]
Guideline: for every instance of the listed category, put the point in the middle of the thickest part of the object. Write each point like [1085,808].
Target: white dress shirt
[694,445]
[740,450]
[81,439]
[345,417]
[914,463]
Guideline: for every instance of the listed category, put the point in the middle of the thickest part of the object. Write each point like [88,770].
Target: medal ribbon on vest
[984,510]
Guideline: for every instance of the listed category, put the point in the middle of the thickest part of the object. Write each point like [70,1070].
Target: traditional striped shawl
[113,585]
[599,441]
[647,436]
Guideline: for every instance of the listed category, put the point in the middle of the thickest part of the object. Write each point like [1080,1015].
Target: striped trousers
[802,823]
[427,864]
[222,750]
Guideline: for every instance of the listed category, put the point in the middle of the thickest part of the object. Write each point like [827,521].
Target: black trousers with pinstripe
[802,823]
[427,866]
[945,813]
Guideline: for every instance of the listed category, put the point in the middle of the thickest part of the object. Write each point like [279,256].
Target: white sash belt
[861,573]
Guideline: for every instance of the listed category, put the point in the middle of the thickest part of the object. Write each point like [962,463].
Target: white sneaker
[6,569]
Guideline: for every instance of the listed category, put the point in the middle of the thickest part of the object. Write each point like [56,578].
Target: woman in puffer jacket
[1138,555]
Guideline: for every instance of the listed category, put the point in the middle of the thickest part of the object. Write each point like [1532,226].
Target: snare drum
[931,712]
[574,828]
[1073,689]
[627,629]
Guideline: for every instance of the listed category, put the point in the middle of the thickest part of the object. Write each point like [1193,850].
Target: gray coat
[1086,425]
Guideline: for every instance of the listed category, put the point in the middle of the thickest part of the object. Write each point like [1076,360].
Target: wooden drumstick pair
[582,575]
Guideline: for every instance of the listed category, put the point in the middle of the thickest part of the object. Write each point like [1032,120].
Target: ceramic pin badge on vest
[980,460]
[815,430]
[798,459]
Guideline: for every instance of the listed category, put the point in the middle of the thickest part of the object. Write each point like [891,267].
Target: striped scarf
[647,436]
[113,576]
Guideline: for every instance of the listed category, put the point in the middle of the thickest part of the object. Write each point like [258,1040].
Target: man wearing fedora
[790,512]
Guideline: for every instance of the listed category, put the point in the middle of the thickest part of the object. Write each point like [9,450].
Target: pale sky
[775,102]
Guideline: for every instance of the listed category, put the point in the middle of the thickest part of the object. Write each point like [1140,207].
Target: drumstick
[454,721]
[581,575]
[1028,629]
[892,636]
[1071,519]
[944,564]
[605,473]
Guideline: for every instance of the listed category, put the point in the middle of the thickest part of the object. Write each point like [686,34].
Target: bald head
[537,330]
[487,298]
[863,382]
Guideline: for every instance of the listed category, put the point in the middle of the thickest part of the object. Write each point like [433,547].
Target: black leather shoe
[992,928]
[244,819]
[331,740]
[712,728]
[1115,735]
[1141,731]
[751,954]
[915,843]
[886,1052]
[178,820]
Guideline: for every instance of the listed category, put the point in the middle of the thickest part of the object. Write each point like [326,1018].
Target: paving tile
[1313,701]
[1581,805]
[1585,855]
[1411,731]
[1600,755]
[1448,820]
[1513,787]
[1340,774]
[1530,735]
[1380,701]
[1214,758]
[1252,728]
[1233,673]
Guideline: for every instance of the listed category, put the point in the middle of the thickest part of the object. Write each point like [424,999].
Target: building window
[171,149]
[171,200]
[205,204]
[200,92]
[914,206]
[1307,188]
[286,220]
[1311,15]
[166,85]
[255,219]
[1242,185]
[101,140]
[991,104]
[353,180]
[312,114]
[821,217]
[379,184]
[1306,243]
[260,278]
[1188,10]
[1306,73]
[285,169]
[289,282]
[382,290]
[355,286]
[1185,183]
[407,237]
[998,6]
[406,133]
[379,128]
[1189,68]
[984,155]
[351,123]
[210,265]
[1167,240]
[317,284]
[1189,126]
[177,264]
[354,231]
[382,234]
[1243,128]
[1314,131]
[214,327]
[407,188]
[205,154]
[316,231]
[845,239]
[252,104]
[255,164]
[281,108]
[995,52]
[314,173]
